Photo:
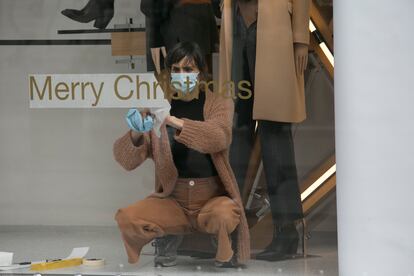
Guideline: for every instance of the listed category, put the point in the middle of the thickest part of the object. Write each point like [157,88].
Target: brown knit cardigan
[212,136]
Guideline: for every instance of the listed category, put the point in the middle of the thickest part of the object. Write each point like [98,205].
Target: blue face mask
[184,82]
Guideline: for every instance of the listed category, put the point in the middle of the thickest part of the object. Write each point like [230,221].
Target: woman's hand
[174,122]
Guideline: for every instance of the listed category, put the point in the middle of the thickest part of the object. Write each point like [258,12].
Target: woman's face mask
[184,76]
[184,82]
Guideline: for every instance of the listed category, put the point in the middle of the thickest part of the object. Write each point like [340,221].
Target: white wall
[56,166]
[374,136]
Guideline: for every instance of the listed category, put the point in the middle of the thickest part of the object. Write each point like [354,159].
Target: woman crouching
[195,189]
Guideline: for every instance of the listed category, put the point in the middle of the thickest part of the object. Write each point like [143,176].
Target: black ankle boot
[166,250]
[284,244]
[230,264]
[102,11]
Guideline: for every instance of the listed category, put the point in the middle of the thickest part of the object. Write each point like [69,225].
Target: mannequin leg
[280,170]
[240,151]
[282,187]
[244,55]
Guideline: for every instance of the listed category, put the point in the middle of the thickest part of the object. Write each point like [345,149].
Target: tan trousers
[198,204]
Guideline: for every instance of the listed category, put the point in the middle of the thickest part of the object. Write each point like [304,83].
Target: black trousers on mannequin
[280,170]
[243,124]
[275,137]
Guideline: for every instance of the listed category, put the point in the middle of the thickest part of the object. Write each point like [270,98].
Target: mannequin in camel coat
[282,27]
[274,38]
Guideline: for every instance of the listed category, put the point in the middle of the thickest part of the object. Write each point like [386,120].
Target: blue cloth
[137,123]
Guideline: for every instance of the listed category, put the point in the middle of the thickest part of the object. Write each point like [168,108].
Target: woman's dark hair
[189,50]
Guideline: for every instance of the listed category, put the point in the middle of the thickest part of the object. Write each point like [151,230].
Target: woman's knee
[226,205]
[125,216]
[133,212]
[228,214]
[122,218]
[222,212]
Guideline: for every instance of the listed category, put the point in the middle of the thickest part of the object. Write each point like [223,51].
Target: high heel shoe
[233,263]
[102,11]
[284,244]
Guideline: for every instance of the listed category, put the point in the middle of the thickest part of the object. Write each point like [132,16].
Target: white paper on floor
[6,258]
[78,252]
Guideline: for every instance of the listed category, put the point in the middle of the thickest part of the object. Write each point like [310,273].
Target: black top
[168,23]
[189,163]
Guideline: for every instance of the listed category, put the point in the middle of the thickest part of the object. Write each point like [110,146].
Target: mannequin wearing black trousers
[278,155]
[277,148]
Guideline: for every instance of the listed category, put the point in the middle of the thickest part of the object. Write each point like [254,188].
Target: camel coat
[278,93]
[212,136]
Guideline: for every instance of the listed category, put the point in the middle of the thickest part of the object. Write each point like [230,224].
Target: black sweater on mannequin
[170,22]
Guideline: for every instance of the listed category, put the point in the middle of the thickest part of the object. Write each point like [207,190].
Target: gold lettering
[228,90]
[116,87]
[83,86]
[97,95]
[155,85]
[178,95]
[48,85]
[62,87]
[207,85]
[245,89]
[73,87]
[138,83]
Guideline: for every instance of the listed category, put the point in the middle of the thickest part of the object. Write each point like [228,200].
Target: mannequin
[173,21]
[274,60]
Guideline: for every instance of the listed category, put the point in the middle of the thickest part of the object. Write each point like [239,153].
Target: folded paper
[6,258]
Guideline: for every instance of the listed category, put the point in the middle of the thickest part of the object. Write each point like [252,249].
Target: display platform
[45,242]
